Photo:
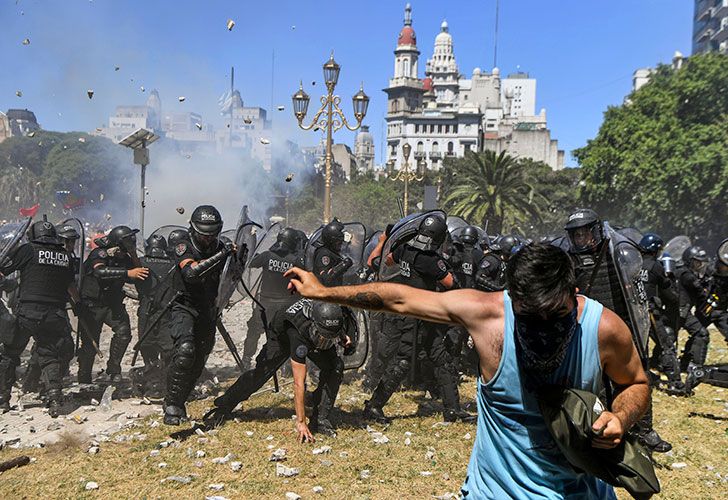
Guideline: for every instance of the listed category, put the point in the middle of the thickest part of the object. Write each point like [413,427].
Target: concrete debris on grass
[236,466]
[223,460]
[177,479]
[283,471]
[292,496]
[216,486]
[679,465]
[216,497]
[322,450]
[91,485]
[365,474]
[317,489]
[425,473]
[279,455]
[379,438]
[162,465]
[327,463]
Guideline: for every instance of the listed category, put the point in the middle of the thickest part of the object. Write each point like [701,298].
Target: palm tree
[492,188]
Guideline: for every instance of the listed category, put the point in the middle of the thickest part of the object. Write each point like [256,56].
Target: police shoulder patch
[180,249]
[441,264]
[102,254]
[325,260]
[301,351]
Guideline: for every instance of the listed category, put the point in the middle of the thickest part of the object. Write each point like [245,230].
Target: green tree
[660,161]
[493,188]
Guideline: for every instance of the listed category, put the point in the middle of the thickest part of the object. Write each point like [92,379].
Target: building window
[420,147]
[450,148]
[439,129]
[435,147]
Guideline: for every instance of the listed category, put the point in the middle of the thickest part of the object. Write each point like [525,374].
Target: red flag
[30,212]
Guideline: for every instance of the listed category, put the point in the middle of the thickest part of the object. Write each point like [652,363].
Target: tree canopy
[660,160]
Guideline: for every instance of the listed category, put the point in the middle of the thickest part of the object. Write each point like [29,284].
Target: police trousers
[116,317]
[48,325]
[193,334]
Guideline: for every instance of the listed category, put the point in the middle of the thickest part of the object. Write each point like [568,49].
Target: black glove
[227,246]
[80,309]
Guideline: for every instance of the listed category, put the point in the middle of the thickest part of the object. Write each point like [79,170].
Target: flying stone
[230,24]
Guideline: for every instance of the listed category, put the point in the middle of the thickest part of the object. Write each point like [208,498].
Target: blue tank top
[514,456]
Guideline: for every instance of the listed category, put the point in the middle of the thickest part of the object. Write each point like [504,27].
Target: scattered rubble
[283,471]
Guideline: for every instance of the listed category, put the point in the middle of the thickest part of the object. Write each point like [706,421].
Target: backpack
[569,414]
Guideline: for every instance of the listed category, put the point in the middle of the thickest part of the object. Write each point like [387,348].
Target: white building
[364,149]
[445,114]
[247,128]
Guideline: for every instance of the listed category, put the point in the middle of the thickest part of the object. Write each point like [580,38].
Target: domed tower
[364,149]
[404,93]
[154,103]
[443,69]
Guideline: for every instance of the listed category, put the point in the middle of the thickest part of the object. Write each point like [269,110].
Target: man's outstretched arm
[455,307]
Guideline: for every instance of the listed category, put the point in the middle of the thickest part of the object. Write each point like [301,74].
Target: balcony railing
[434,155]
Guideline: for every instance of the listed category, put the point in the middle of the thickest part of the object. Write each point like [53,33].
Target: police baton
[229,342]
[83,330]
[150,327]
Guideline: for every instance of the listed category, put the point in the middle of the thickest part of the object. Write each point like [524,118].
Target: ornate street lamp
[330,117]
[405,174]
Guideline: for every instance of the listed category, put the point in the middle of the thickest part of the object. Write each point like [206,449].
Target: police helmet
[155,246]
[122,236]
[431,233]
[332,235]
[470,235]
[43,232]
[696,259]
[585,230]
[328,322]
[651,243]
[288,239]
[176,237]
[507,244]
[205,227]
[67,232]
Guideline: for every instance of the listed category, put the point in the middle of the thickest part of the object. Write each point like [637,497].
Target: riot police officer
[662,297]
[273,294]
[490,275]
[106,269]
[693,293]
[466,257]
[199,263]
[421,267]
[715,309]
[305,330]
[329,265]
[597,277]
[154,293]
[46,283]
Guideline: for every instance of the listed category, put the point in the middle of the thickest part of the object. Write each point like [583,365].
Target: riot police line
[186,278]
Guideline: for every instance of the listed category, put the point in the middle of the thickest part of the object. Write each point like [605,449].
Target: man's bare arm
[621,363]
[456,307]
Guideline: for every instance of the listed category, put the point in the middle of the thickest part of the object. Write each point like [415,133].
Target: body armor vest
[47,275]
[605,287]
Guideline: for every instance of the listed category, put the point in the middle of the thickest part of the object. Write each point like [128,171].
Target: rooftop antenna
[495,44]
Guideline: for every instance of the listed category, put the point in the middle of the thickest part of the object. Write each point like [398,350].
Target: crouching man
[306,330]
[537,332]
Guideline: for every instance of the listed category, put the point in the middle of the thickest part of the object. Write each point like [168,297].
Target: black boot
[375,413]
[174,415]
[55,402]
[458,415]
[654,442]
[4,404]
[696,374]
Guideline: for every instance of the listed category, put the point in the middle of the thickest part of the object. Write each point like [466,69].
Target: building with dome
[364,149]
[445,114]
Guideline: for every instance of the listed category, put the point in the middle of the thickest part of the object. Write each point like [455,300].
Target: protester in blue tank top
[538,332]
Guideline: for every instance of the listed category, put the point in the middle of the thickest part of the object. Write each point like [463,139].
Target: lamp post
[405,174]
[330,117]
[138,141]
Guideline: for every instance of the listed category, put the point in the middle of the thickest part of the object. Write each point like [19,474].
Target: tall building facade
[710,26]
[445,114]
[364,149]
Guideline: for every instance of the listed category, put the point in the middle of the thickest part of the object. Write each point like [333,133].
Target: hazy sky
[582,53]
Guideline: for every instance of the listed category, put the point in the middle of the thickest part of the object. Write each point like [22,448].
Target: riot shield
[634,234]
[403,231]
[11,234]
[455,223]
[252,276]
[354,240]
[722,252]
[79,249]
[628,262]
[232,272]
[676,246]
